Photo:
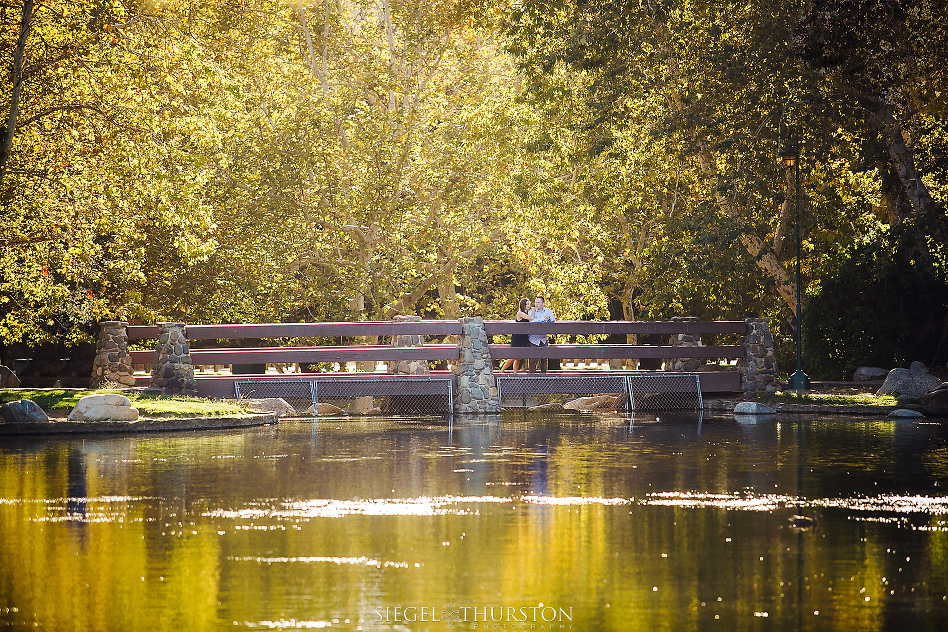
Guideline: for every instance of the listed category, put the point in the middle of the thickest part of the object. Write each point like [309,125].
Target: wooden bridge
[715,377]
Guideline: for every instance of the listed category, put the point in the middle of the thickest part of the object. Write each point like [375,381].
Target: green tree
[704,93]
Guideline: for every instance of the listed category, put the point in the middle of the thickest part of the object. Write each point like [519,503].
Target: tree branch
[16,76]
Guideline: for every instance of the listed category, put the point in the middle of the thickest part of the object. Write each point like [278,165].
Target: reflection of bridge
[683,349]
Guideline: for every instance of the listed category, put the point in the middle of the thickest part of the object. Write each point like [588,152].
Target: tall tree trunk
[783,221]
[628,313]
[448,293]
[926,213]
[763,255]
[912,244]
[897,204]
[16,79]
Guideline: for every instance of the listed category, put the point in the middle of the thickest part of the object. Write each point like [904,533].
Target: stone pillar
[172,371]
[408,367]
[113,363]
[476,386]
[758,367]
[688,365]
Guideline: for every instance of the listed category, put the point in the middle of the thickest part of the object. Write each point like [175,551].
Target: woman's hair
[524,303]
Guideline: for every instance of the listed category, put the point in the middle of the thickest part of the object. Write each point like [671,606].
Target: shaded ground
[843,398]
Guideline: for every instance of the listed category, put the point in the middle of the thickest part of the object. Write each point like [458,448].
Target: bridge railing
[434,352]
[181,347]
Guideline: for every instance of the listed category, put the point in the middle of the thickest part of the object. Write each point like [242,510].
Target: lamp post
[790,156]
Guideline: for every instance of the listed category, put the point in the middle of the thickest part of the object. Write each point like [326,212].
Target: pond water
[520,523]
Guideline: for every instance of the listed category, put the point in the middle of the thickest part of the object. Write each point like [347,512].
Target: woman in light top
[524,315]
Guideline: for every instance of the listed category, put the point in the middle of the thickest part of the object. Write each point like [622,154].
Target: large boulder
[8,378]
[868,373]
[104,407]
[753,408]
[23,411]
[276,405]
[905,413]
[596,402]
[914,381]
[549,406]
[363,406]
[937,397]
[325,409]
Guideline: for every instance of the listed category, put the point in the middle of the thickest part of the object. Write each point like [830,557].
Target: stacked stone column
[408,367]
[476,385]
[688,365]
[172,371]
[113,363]
[758,367]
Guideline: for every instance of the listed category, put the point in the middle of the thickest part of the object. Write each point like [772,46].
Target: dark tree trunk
[897,204]
[912,247]
[926,215]
[16,77]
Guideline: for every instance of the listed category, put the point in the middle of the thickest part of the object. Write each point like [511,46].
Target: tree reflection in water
[675,524]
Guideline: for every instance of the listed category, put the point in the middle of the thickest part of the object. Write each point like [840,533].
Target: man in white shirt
[541,314]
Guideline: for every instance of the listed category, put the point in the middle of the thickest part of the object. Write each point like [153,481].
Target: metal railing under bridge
[633,391]
[434,395]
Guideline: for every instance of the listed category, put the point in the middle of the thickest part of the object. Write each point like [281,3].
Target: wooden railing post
[476,385]
[172,371]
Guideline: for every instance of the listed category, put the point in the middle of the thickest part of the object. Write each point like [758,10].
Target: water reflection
[676,523]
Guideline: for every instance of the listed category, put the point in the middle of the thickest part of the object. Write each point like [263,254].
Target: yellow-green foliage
[836,399]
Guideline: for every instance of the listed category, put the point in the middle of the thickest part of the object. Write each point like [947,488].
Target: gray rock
[23,411]
[8,378]
[276,405]
[712,368]
[937,397]
[550,406]
[753,419]
[753,408]
[104,407]
[596,402]
[362,406]
[912,382]
[867,373]
[327,410]
[904,413]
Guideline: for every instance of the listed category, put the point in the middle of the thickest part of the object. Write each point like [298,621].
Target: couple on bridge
[536,314]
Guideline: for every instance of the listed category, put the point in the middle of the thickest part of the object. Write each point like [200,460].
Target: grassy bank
[147,405]
[834,399]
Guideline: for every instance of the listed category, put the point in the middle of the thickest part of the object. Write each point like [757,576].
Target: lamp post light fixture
[790,156]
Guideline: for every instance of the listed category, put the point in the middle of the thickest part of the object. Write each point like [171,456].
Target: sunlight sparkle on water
[422,506]
[357,561]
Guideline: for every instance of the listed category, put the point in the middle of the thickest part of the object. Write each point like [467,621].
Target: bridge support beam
[476,385]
